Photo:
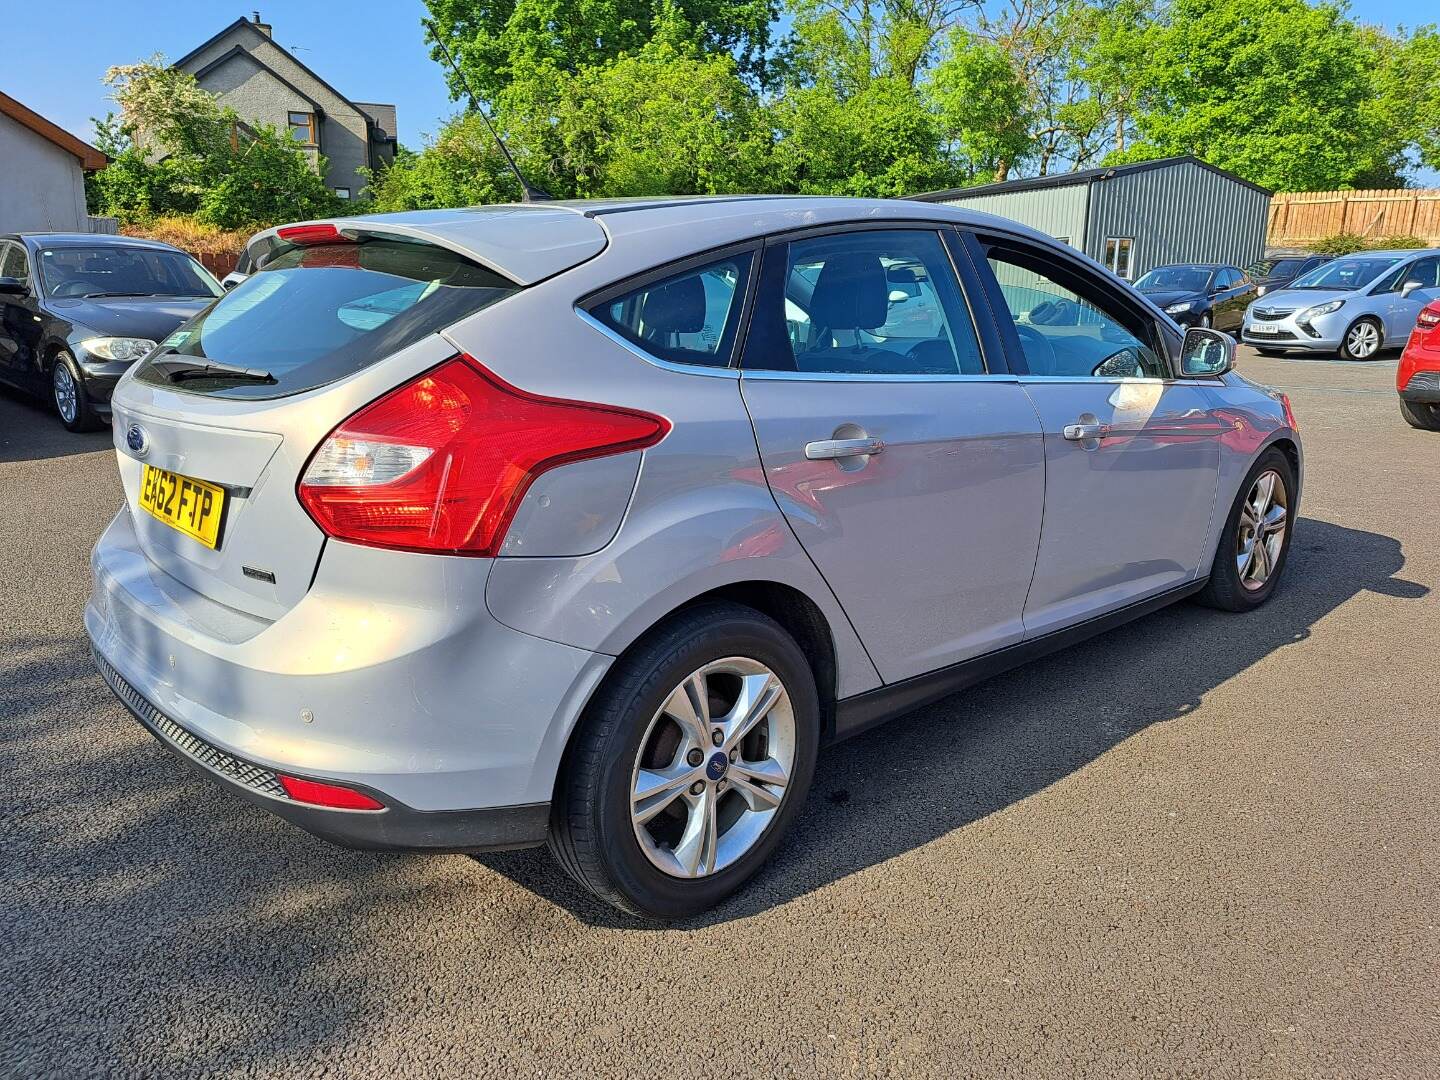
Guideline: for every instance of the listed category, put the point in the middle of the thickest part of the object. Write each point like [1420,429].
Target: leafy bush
[1339,244]
[190,234]
[1396,243]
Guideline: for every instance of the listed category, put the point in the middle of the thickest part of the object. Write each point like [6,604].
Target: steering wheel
[73,288]
[1055,312]
[1036,345]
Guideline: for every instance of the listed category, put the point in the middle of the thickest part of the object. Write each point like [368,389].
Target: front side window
[313,314]
[1117,254]
[1422,270]
[118,270]
[15,264]
[1067,326]
[342,192]
[691,317]
[868,303]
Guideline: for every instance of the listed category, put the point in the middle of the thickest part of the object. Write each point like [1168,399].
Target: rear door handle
[1081,432]
[834,449]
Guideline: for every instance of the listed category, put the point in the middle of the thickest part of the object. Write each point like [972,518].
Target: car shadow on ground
[942,767]
[30,431]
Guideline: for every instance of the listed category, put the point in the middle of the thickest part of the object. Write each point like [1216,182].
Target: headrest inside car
[677,307]
[851,293]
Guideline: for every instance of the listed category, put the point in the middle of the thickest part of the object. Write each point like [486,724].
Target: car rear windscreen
[314,314]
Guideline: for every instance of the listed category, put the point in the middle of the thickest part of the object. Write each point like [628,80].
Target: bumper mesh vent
[1424,382]
[242,772]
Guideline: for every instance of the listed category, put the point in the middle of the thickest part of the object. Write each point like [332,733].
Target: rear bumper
[1423,388]
[389,676]
[396,828]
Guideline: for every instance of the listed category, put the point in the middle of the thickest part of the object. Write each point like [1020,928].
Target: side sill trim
[874,707]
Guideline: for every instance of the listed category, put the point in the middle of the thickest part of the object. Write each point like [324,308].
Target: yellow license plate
[184,503]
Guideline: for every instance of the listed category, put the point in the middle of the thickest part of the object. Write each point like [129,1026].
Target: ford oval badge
[137,440]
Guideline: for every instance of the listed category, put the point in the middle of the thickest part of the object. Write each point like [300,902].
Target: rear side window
[691,317]
[314,314]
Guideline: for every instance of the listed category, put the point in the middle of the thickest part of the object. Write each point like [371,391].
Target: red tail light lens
[1429,316]
[331,795]
[441,463]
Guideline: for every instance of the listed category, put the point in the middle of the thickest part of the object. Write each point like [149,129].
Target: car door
[20,317]
[1131,453]
[908,461]
[1237,292]
[1398,309]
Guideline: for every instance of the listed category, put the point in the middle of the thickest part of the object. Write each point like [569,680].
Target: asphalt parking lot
[1202,845]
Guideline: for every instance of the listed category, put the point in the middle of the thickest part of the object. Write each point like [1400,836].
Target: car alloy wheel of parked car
[588,524]
[71,405]
[1362,340]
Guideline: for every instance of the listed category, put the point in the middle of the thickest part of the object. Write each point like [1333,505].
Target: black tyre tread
[1345,348]
[572,840]
[1420,415]
[1223,590]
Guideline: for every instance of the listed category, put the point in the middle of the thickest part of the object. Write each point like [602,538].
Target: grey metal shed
[1134,218]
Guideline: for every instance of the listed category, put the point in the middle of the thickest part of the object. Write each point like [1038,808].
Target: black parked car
[1274,273]
[1200,294]
[76,310]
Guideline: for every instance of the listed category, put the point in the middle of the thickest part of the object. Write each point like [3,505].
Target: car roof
[1195,266]
[60,239]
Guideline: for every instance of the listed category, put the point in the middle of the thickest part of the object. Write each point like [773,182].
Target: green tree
[1278,91]
[983,106]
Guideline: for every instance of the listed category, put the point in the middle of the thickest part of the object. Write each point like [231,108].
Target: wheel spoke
[1244,560]
[1274,521]
[1260,567]
[758,695]
[689,706]
[1261,496]
[697,848]
[657,789]
[757,782]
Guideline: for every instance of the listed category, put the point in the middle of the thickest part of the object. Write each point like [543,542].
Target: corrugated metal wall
[1178,214]
[1058,212]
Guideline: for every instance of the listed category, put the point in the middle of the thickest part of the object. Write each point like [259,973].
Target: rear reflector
[331,795]
[441,463]
[305,235]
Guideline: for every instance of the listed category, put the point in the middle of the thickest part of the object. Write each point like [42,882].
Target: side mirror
[1206,353]
[1408,288]
[230,280]
[898,296]
[14,286]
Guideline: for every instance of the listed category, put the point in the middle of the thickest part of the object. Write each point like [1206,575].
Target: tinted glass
[1067,327]
[15,262]
[1425,271]
[688,318]
[123,271]
[1349,273]
[311,315]
[871,303]
[1178,278]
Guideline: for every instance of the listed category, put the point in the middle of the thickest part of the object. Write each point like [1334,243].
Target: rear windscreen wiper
[213,369]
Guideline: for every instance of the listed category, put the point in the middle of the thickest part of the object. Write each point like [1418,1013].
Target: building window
[1117,254]
[1063,239]
[342,192]
[302,127]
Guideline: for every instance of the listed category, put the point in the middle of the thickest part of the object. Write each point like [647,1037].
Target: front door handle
[1081,432]
[834,449]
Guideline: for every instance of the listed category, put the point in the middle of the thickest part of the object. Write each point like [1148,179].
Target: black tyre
[1419,414]
[67,395]
[689,765]
[1256,539]
[1363,340]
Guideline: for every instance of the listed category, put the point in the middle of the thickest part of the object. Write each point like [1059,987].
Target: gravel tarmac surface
[1201,845]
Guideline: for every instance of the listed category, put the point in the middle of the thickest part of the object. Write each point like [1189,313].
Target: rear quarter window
[311,315]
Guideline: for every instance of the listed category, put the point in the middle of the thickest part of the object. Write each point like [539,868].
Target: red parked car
[1418,376]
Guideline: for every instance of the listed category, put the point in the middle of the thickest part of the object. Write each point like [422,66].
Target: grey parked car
[1355,305]
[591,523]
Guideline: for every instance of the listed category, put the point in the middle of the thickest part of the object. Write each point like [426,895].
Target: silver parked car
[1355,305]
[591,523]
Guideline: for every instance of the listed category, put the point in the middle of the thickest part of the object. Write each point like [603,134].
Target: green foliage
[175,150]
[1339,244]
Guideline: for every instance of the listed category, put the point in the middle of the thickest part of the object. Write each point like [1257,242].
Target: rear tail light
[305,235]
[441,463]
[329,795]
[1429,316]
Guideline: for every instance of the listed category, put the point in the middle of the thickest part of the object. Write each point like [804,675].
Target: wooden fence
[1298,217]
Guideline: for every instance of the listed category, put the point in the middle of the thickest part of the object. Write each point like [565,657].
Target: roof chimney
[264,28]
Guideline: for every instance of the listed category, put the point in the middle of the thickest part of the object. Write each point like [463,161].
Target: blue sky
[370,50]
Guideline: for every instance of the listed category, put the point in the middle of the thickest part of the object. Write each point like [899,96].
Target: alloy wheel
[67,400]
[713,768]
[1362,340]
[1261,536]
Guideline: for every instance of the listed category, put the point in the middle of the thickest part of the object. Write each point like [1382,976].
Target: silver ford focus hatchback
[591,523]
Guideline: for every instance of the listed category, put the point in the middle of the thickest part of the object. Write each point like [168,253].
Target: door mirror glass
[1409,287]
[1206,353]
[14,286]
